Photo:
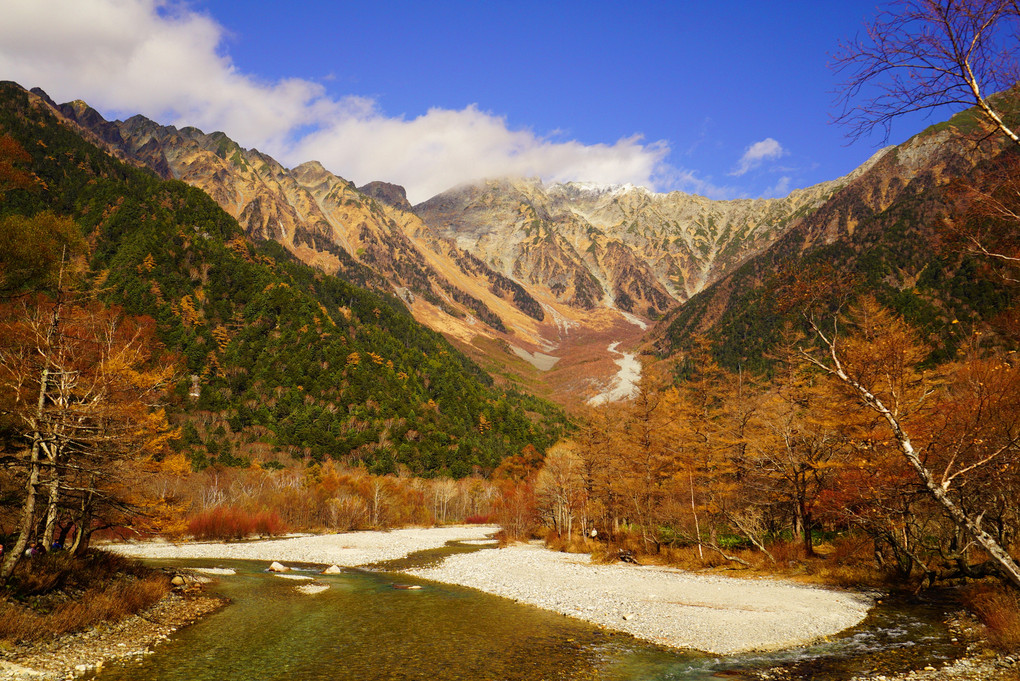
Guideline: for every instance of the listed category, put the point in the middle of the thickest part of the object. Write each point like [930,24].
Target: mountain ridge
[506,268]
[880,234]
[277,358]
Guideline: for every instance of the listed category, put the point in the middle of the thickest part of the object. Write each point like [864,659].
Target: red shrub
[231,523]
[221,523]
[269,524]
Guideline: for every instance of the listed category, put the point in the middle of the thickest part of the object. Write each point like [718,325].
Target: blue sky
[726,99]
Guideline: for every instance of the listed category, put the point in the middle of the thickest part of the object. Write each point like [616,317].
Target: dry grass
[998,609]
[847,562]
[56,594]
[571,544]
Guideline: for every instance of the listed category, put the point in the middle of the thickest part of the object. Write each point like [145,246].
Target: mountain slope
[285,358]
[323,219]
[623,247]
[880,234]
[506,269]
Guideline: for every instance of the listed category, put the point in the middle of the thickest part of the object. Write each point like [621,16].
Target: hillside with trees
[898,232]
[275,360]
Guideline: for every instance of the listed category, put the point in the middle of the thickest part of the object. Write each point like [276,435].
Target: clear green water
[363,628]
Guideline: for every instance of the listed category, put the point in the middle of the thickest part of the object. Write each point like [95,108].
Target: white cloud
[164,61]
[758,152]
[689,181]
[780,188]
[442,148]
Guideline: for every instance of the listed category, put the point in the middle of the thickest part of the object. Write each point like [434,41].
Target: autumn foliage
[767,470]
[230,523]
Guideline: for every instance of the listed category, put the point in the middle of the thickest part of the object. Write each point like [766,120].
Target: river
[363,628]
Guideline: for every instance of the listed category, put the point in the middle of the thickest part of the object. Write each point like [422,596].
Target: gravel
[670,607]
[350,549]
[673,608]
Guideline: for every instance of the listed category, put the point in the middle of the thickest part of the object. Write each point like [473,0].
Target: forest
[846,410]
[157,365]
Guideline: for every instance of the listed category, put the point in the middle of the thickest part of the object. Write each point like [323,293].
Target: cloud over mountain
[765,150]
[167,61]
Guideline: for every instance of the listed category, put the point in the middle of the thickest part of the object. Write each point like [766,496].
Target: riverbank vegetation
[999,611]
[856,461]
[58,593]
[722,463]
[226,503]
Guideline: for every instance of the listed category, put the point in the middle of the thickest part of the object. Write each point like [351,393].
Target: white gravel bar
[718,615]
[350,549]
[670,607]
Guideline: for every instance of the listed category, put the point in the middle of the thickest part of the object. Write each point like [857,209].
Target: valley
[504,268]
[720,425]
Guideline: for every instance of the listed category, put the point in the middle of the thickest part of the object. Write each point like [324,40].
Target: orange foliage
[229,523]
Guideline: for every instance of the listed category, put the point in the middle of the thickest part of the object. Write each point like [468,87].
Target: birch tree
[918,55]
[877,366]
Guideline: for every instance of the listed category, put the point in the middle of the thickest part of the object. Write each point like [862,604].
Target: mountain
[278,358]
[391,194]
[884,233]
[367,235]
[537,281]
[620,247]
[522,276]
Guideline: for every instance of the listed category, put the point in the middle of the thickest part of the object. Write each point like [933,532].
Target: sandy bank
[351,549]
[714,614]
[670,607]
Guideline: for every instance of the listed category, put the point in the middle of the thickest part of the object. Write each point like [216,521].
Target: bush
[102,604]
[55,594]
[787,552]
[224,523]
[480,519]
[270,524]
[853,549]
[999,611]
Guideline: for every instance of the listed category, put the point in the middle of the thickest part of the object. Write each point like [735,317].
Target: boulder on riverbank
[278,567]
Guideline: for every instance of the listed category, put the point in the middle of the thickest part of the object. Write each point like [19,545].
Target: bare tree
[918,55]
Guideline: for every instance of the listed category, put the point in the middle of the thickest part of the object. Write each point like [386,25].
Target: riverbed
[665,606]
[371,621]
[624,383]
[376,624]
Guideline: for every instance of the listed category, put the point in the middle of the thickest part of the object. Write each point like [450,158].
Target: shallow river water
[363,628]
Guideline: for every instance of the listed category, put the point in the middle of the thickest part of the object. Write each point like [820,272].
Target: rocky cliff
[509,268]
[621,247]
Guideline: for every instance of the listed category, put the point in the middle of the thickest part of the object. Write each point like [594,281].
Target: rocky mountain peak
[531,265]
[391,194]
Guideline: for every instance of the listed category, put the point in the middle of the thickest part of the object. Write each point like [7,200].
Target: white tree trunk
[1009,568]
